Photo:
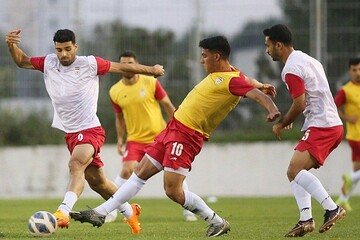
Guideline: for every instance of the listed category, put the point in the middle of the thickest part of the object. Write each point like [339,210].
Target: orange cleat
[133,221]
[62,219]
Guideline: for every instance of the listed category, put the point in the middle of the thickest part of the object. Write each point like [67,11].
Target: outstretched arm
[12,39]
[156,70]
[264,87]
[266,102]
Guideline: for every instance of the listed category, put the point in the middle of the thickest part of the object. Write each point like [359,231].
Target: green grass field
[250,218]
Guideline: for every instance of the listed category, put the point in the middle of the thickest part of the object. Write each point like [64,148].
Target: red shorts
[355,150]
[320,142]
[176,146]
[134,151]
[94,136]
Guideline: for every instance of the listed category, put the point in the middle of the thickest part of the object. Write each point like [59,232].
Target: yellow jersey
[210,101]
[351,102]
[139,105]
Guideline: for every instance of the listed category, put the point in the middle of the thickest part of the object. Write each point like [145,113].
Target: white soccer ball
[42,224]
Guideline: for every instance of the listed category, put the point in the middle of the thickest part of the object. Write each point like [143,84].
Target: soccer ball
[42,224]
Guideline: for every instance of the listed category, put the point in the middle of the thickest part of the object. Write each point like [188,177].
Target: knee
[292,172]
[75,164]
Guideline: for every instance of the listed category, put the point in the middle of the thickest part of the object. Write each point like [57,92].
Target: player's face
[66,52]
[128,60]
[271,49]
[354,72]
[209,60]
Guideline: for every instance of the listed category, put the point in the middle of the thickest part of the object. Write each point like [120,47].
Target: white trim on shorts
[180,170]
[153,161]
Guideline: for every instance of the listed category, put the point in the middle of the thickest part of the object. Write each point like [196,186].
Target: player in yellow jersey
[174,149]
[136,100]
[347,100]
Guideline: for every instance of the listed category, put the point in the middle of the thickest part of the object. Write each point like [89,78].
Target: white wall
[241,169]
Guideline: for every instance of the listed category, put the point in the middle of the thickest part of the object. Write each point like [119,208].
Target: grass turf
[250,218]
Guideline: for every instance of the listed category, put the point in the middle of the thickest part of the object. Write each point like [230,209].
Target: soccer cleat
[330,218]
[344,204]
[347,184]
[90,216]
[111,217]
[133,221]
[61,219]
[302,228]
[218,229]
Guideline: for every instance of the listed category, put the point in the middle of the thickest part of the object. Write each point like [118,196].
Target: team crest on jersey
[218,80]
[142,92]
[77,70]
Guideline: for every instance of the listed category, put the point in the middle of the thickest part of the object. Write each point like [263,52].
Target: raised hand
[13,37]
[158,70]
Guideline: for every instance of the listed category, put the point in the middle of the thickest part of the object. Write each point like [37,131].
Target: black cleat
[302,228]
[90,216]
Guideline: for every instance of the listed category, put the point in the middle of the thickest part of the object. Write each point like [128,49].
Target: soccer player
[136,99]
[348,104]
[175,148]
[309,89]
[72,83]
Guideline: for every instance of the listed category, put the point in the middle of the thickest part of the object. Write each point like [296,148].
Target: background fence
[327,29]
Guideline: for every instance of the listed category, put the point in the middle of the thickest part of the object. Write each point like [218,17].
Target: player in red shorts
[348,104]
[72,83]
[174,149]
[305,78]
[136,99]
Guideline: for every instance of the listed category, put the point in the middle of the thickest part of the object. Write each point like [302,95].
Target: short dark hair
[64,35]
[218,43]
[279,33]
[354,61]
[128,53]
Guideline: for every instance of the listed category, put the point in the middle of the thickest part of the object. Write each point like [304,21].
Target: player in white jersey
[305,78]
[72,83]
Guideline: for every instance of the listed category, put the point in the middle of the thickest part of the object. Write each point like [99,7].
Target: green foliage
[33,129]
[250,218]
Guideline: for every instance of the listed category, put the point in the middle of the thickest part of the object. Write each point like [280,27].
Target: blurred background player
[175,148]
[348,102]
[72,83]
[305,78]
[136,100]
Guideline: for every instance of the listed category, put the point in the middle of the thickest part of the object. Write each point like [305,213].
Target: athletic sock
[127,191]
[68,203]
[355,176]
[196,205]
[314,187]
[186,188]
[303,199]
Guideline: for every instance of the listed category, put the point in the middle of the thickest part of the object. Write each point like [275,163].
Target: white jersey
[320,110]
[74,92]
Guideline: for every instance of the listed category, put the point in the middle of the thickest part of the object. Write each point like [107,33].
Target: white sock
[355,176]
[68,203]
[196,205]
[186,187]
[127,191]
[119,181]
[303,199]
[126,210]
[312,185]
